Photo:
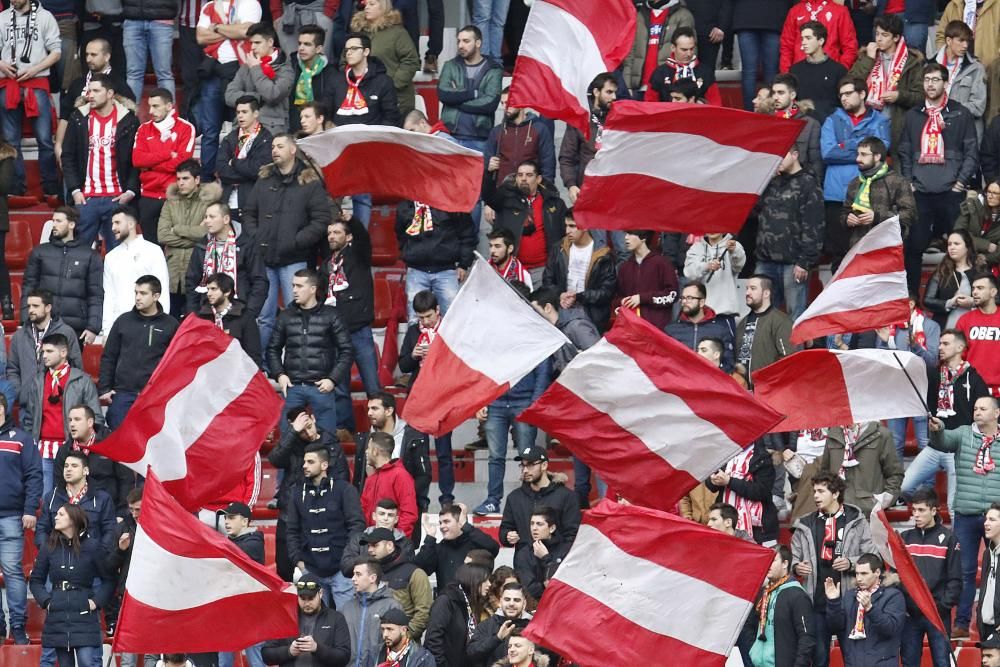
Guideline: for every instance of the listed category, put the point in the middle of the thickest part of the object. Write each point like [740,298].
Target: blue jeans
[95,216]
[121,403]
[581,483]
[254,658]
[324,406]
[923,469]
[969,533]
[366,359]
[823,640]
[915,35]
[156,39]
[11,552]
[914,629]
[444,284]
[84,655]
[208,114]
[898,429]
[337,590]
[490,16]
[362,208]
[499,421]
[48,477]
[477,210]
[786,293]
[42,126]
[616,244]
[446,468]
[278,277]
[758,48]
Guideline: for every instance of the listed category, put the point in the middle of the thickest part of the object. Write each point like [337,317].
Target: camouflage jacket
[791,217]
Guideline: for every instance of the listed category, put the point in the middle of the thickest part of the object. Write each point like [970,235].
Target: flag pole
[923,399]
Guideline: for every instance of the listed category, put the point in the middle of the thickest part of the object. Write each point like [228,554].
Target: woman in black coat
[450,627]
[72,562]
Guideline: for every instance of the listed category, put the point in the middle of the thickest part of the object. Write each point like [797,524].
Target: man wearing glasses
[323,635]
[698,322]
[939,154]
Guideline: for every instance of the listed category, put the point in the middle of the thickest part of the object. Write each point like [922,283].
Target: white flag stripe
[190,411]
[611,382]
[636,588]
[328,145]
[495,332]
[704,164]
[865,369]
[561,41]
[855,293]
[886,234]
[880,536]
[169,582]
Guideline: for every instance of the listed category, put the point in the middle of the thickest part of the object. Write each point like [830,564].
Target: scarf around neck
[984,457]
[791,112]
[946,389]
[858,632]
[304,84]
[932,136]
[880,81]
[397,658]
[423,219]
[244,141]
[166,126]
[852,433]
[863,199]
[267,65]
[220,257]
[763,603]
[682,71]
[338,279]
[750,512]
[354,103]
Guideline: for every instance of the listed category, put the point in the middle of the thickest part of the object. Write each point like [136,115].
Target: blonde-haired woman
[392,45]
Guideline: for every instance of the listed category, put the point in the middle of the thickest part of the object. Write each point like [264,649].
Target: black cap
[237,508]
[308,585]
[395,617]
[993,641]
[376,535]
[532,455]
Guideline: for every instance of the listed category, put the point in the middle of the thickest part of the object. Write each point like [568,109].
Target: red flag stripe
[610,22]
[857,319]
[792,382]
[546,94]
[882,260]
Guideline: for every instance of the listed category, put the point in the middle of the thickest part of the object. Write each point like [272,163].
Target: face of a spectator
[282,152]
[312,466]
[885,41]
[500,251]
[957,250]
[145,297]
[393,635]
[381,549]
[135,509]
[354,53]
[958,46]
[540,528]
[311,603]
[159,108]
[374,10]
[949,347]
[509,114]
[261,46]
[716,522]
[61,521]
[122,226]
[757,296]
[235,523]
[605,97]
[303,290]
[923,515]
[97,58]
[385,518]
[865,159]
[782,96]
[573,233]
[866,576]
[825,499]
[338,237]
[850,99]
[308,48]
[310,122]
[680,98]
[707,350]
[519,651]
[991,525]
[215,296]
[533,471]
[512,603]
[53,356]
[468,46]
[991,657]
[985,412]
[448,525]
[691,301]
[74,471]
[187,183]
[934,85]
[809,43]
[763,95]
[80,425]
[378,414]
[778,569]
[633,241]
[246,116]
[983,293]
[99,96]
[364,581]
[61,226]
[214,221]
[38,312]
[429,318]
[993,195]
[684,49]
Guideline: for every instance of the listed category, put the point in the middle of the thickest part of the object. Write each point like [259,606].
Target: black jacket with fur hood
[76,146]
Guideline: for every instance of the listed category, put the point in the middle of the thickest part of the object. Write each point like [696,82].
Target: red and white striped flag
[820,388]
[703,167]
[187,582]
[390,162]
[566,44]
[651,417]
[206,403]
[867,291]
[643,601]
[489,339]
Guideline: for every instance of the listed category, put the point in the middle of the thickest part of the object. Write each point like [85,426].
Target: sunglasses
[310,586]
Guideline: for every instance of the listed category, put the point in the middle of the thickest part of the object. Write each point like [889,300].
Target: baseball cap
[237,508]
[377,535]
[993,641]
[532,455]
[308,585]
[395,617]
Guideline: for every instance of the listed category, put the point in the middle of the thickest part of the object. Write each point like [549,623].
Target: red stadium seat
[383,302]
[92,360]
[382,228]
[20,656]
[19,244]
[268,490]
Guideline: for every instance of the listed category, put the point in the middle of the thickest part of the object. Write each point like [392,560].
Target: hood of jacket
[540,660]
[206,192]
[383,592]
[7,151]
[568,316]
[123,104]
[302,172]
[709,316]
[387,20]
[556,479]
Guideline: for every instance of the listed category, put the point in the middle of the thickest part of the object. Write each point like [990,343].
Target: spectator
[407,582]
[389,479]
[745,483]
[538,487]
[46,419]
[161,144]
[949,289]
[222,250]
[222,32]
[864,456]
[819,72]
[785,631]
[248,148]
[841,42]
[723,517]
[713,23]
[371,600]
[715,260]
[24,359]
[102,473]
[311,118]
[984,20]
[458,537]
[320,519]
[231,315]
[535,566]
[576,150]
[654,29]
[317,352]
[104,178]
[386,515]
[758,25]
[149,29]
[119,559]
[966,82]
[876,193]
[784,96]
[647,282]
[990,650]
[97,504]
[827,545]
[583,274]
[399,645]
[133,257]
[367,95]
[980,217]
[251,542]
[934,550]
[976,486]
[697,322]
[438,250]
[24,80]
[350,291]
[391,44]
[987,609]
[74,635]
[763,336]
[980,327]
[179,226]
[488,644]
[323,640]
[133,348]
[581,332]
[939,183]
[683,63]
[286,214]
[21,481]
[875,615]
[315,76]
[469,90]
[458,610]
[504,260]
[267,75]
[893,71]
[516,140]
[712,349]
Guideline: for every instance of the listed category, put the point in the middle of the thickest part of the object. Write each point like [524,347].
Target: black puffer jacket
[74,273]
[134,348]
[513,210]
[316,344]
[287,216]
[288,456]
[150,10]
[356,304]
[598,286]
[449,244]
[251,278]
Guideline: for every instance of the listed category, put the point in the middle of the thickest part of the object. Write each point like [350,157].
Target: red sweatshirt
[841,44]
[983,333]
[152,155]
[392,481]
[655,281]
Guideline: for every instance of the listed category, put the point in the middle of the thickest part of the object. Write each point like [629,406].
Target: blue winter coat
[838,142]
[20,472]
[883,627]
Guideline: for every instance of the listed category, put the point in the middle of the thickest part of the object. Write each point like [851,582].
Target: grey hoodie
[581,332]
[44,37]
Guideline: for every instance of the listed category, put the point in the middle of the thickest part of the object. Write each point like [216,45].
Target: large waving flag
[566,44]
[489,339]
[187,581]
[206,403]
[652,418]
[819,388]
[703,166]
[390,162]
[620,575]
[867,291]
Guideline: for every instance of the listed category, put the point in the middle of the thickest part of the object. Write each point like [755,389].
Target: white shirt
[579,262]
[122,267]
[231,11]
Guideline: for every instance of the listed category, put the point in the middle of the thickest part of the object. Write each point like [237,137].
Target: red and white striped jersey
[190,12]
[102,170]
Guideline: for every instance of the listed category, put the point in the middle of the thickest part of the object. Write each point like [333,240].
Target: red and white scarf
[338,279]
[814,11]
[56,375]
[932,136]
[219,314]
[826,551]
[244,141]
[266,68]
[423,219]
[76,498]
[85,446]
[791,112]
[953,68]
[512,270]
[427,335]
[354,103]
[984,458]
[916,325]
[397,658]
[852,433]
[858,632]
[946,389]
[881,82]
[683,71]
[220,257]
[750,512]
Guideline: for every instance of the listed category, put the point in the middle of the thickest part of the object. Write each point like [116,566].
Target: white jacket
[723,293]
[124,265]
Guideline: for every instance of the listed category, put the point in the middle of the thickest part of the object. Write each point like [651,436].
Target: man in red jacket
[387,478]
[161,144]
[841,43]
[982,329]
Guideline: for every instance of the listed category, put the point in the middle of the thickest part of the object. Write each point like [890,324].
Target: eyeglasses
[691,298]
[529,464]
[849,92]
[992,193]
[353,48]
[933,79]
